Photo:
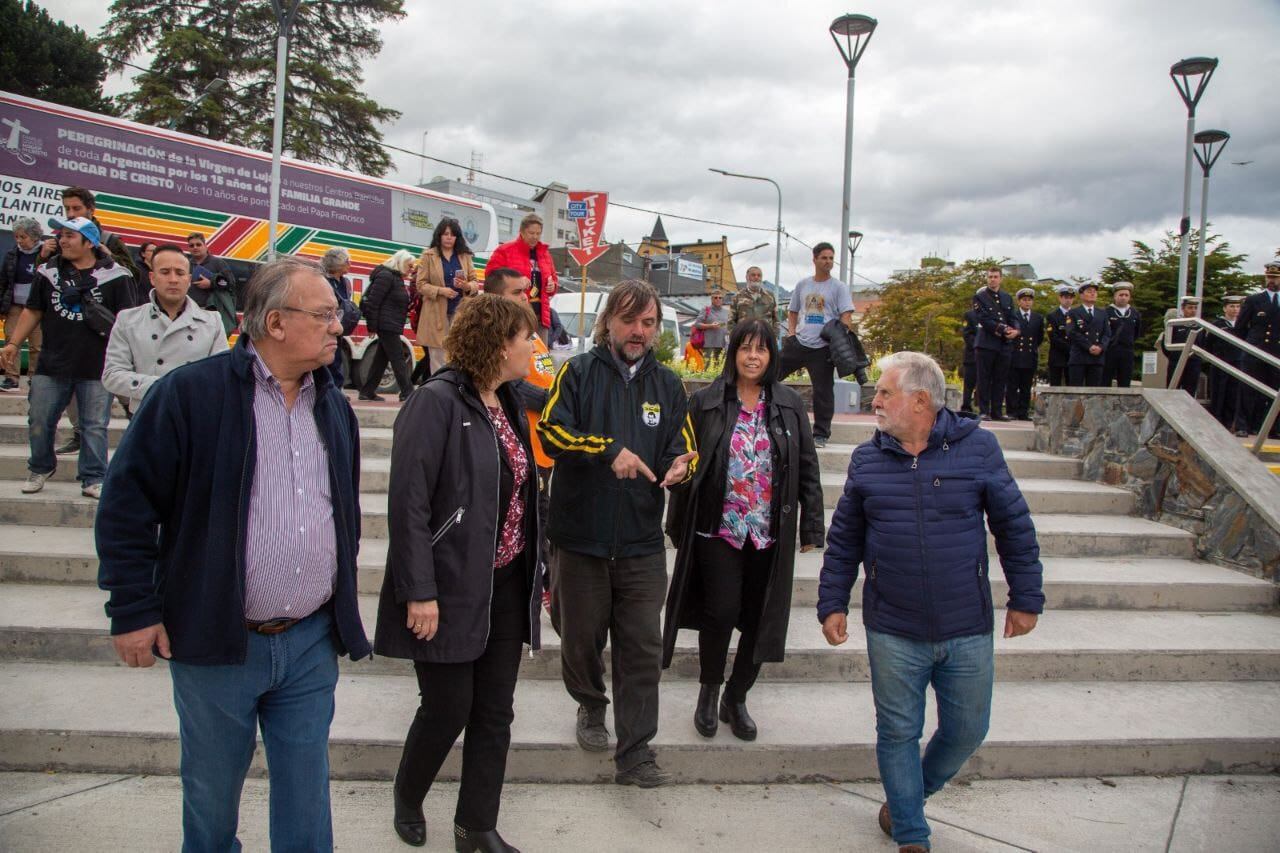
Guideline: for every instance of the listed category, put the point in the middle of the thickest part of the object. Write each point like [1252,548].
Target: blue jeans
[285,686]
[961,672]
[48,399]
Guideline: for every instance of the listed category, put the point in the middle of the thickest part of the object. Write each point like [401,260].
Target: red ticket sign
[588,208]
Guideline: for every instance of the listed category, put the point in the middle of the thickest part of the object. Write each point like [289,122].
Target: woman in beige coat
[445,276]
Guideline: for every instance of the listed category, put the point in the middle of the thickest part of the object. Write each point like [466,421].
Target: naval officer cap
[1064,289]
[1190,300]
[1272,266]
[1232,300]
[1026,291]
[1084,285]
[1122,285]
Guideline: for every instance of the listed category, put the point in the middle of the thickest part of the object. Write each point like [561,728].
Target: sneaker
[72,445]
[93,490]
[646,774]
[819,441]
[592,735]
[35,482]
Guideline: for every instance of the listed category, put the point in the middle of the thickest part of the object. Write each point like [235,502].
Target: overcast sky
[1047,132]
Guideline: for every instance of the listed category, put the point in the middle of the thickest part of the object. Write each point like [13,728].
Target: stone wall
[1185,468]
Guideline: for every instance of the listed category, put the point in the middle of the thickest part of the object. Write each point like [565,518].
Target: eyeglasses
[327,316]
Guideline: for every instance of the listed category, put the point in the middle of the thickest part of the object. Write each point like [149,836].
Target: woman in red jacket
[530,257]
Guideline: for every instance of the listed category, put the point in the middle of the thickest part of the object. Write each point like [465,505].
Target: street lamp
[422,163]
[285,15]
[855,240]
[852,28]
[1190,77]
[216,85]
[777,257]
[1207,155]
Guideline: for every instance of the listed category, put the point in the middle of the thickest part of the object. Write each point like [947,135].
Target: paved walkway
[60,812]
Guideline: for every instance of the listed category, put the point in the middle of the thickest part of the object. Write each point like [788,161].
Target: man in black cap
[992,350]
[1090,335]
[1058,330]
[1190,307]
[1259,324]
[1224,391]
[1126,327]
[1025,357]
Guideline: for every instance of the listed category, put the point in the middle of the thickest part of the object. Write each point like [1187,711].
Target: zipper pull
[915,462]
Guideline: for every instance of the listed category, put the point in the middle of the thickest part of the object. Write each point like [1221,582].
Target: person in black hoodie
[386,307]
[735,524]
[463,583]
[618,428]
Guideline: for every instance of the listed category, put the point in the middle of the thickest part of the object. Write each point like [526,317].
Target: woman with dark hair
[445,276]
[463,582]
[145,251]
[734,524]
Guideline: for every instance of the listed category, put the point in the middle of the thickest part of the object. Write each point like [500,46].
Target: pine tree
[327,118]
[50,60]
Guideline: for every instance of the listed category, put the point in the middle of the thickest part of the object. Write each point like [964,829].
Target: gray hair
[335,258]
[269,290]
[917,372]
[400,261]
[27,225]
[530,219]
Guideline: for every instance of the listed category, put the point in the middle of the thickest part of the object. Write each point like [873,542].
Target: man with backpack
[73,300]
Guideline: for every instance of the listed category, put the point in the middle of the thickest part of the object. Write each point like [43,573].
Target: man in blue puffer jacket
[912,514]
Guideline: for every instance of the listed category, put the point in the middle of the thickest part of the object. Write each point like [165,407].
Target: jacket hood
[949,427]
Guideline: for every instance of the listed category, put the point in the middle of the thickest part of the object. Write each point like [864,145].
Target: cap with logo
[84,227]
[1064,289]
[1190,300]
[1232,300]
[1026,291]
[1272,266]
[1085,285]
[1122,285]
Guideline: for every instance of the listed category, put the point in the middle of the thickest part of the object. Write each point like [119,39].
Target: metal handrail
[1199,325]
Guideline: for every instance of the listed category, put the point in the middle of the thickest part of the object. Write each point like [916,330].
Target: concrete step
[66,624]
[1023,464]
[1043,495]
[67,555]
[807,731]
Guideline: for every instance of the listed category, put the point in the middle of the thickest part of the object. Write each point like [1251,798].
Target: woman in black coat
[385,306]
[734,524]
[463,583]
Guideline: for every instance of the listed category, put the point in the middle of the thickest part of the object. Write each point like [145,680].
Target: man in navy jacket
[912,514]
[227,538]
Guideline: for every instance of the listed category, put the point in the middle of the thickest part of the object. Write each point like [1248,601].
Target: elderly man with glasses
[227,540]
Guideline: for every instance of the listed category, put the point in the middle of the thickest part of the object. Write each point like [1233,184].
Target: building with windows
[551,203]
[715,258]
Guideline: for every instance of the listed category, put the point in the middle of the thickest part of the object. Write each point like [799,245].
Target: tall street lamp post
[853,29]
[777,256]
[285,11]
[855,240]
[1190,76]
[1212,143]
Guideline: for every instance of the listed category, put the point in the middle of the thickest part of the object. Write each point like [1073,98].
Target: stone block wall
[1185,469]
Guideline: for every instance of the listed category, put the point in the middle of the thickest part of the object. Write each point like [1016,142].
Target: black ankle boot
[734,712]
[409,822]
[470,841]
[704,716]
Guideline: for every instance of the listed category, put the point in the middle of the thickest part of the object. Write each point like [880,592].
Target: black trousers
[1058,375]
[1018,397]
[1224,398]
[389,351]
[969,374]
[1118,365]
[477,697]
[993,374]
[1190,380]
[594,600]
[1253,404]
[822,373]
[733,588]
[1085,375]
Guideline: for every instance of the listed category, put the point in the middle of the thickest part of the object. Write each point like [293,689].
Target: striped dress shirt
[290,546]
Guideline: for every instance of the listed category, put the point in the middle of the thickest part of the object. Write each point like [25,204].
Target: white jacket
[145,345]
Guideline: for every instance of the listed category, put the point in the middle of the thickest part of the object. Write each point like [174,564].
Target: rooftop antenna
[477,162]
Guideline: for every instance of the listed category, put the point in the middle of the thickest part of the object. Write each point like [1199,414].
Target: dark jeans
[1085,375]
[733,588]
[1018,397]
[822,373]
[969,374]
[477,696]
[594,600]
[1118,366]
[993,373]
[1057,375]
[389,351]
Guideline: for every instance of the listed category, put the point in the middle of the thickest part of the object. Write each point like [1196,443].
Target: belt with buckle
[272,626]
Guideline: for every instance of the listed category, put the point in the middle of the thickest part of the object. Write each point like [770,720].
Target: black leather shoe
[740,722]
[409,822]
[470,841]
[704,716]
[1002,418]
[369,398]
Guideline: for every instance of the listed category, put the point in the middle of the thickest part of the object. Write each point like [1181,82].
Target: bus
[160,185]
